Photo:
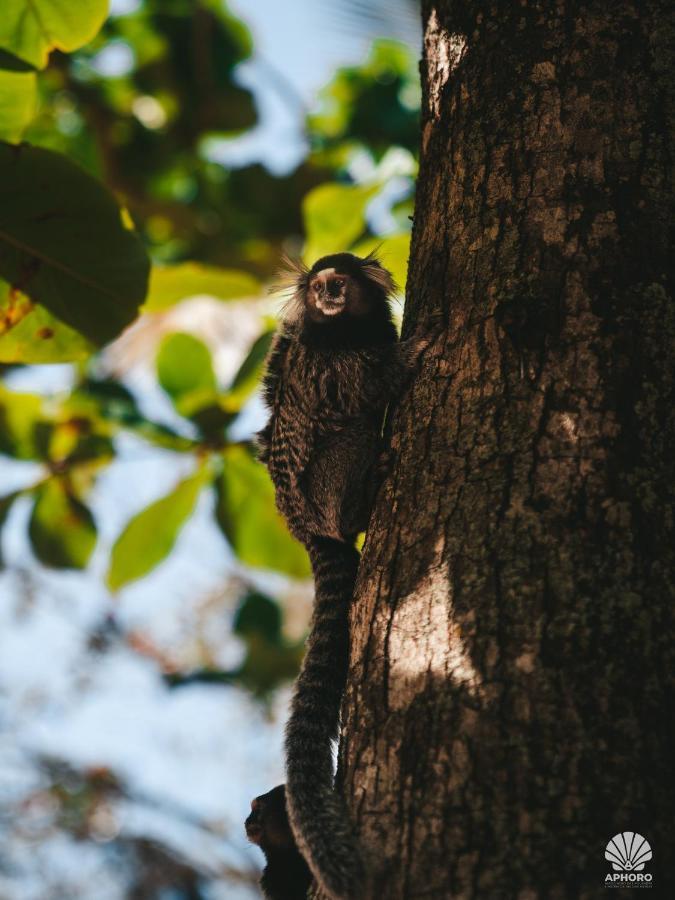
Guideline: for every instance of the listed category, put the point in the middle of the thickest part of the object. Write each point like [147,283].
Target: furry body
[332,370]
[286,876]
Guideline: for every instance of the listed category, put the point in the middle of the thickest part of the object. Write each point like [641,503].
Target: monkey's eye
[340,282]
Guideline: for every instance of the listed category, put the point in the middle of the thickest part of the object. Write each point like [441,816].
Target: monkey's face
[267,826]
[332,294]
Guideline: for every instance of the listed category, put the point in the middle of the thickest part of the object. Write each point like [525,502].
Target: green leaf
[249,520]
[375,104]
[248,376]
[31,334]
[18,103]
[185,371]
[171,284]
[150,535]
[31,29]
[63,244]
[115,404]
[268,664]
[334,217]
[392,251]
[20,418]
[5,507]
[258,613]
[61,528]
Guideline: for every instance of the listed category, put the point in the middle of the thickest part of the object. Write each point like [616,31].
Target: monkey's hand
[425,334]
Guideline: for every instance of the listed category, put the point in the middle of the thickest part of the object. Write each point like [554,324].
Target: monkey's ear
[374,271]
[291,282]
[292,275]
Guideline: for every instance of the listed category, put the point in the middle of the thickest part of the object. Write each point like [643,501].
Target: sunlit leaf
[249,520]
[29,333]
[171,284]
[150,535]
[18,103]
[185,371]
[61,528]
[334,217]
[63,244]
[31,29]
[184,364]
[70,447]
[20,416]
[392,251]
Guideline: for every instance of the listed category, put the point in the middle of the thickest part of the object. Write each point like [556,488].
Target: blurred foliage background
[149,586]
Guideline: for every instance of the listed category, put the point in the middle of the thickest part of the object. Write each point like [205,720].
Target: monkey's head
[268,826]
[338,287]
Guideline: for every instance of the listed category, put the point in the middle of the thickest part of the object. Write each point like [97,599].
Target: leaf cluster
[114,207]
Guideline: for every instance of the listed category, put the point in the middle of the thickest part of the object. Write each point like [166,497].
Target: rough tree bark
[510,702]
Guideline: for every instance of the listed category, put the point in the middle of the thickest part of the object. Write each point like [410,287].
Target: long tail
[317,815]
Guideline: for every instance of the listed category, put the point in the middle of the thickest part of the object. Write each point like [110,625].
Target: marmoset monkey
[332,370]
[286,876]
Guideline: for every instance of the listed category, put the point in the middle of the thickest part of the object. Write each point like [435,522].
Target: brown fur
[332,370]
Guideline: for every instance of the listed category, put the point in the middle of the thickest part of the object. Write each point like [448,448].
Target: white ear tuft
[374,271]
[291,282]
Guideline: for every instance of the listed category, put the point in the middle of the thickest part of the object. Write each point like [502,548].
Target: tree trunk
[510,701]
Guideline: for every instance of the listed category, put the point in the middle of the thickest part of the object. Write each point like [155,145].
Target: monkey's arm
[407,353]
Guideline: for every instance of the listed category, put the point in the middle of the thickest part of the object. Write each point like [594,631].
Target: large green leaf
[31,334]
[31,29]
[184,364]
[249,520]
[63,244]
[171,284]
[62,529]
[334,217]
[185,371]
[20,418]
[18,102]
[149,536]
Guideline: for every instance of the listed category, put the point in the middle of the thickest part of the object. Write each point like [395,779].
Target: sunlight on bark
[426,640]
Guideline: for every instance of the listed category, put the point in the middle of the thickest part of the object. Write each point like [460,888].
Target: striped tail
[317,815]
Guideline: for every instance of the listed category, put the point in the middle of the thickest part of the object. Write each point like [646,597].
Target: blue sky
[298,47]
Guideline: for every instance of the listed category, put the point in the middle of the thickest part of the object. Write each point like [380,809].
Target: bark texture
[510,703]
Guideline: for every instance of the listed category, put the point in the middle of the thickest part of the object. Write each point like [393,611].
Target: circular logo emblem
[628,852]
